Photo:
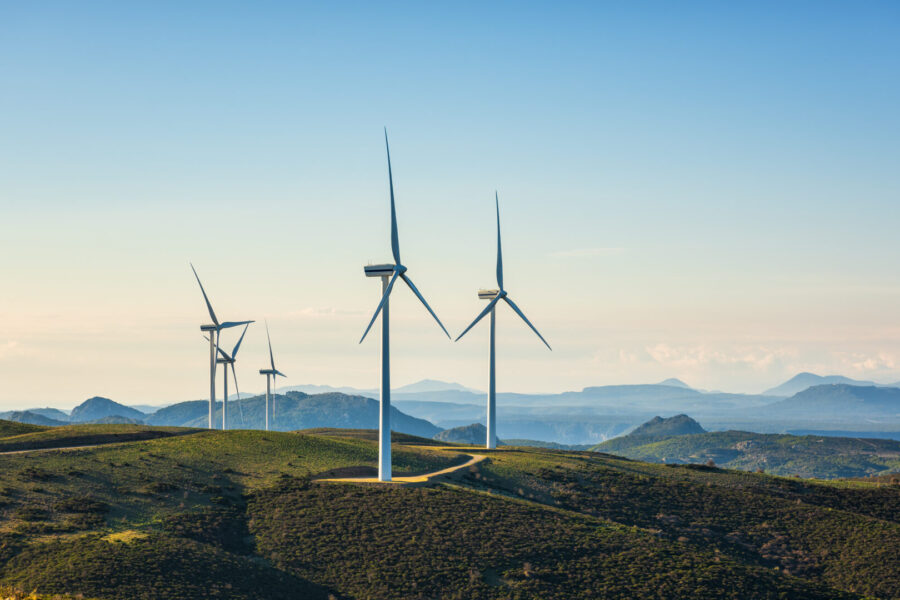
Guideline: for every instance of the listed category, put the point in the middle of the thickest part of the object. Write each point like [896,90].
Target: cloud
[756,358]
[863,363]
[12,348]
[587,252]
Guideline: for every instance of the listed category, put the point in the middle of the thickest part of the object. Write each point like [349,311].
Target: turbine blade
[499,253]
[240,339]
[486,310]
[212,314]
[419,296]
[384,298]
[524,318]
[237,390]
[222,352]
[395,241]
[271,356]
[228,324]
[277,372]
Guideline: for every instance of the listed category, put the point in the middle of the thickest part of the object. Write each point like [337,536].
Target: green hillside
[240,515]
[8,428]
[780,454]
[659,427]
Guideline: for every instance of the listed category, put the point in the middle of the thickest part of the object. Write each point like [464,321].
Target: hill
[292,411]
[26,416]
[801,381]
[180,413]
[239,515]
[474,434]
[660,427]
[837,401]
[432,385]
[9,428]
[675,382]
[98,407]
[806,456]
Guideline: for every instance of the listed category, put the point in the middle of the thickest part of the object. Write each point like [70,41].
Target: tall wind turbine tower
[389,274]
[213,331]
[228,360]
[270,385]
[495,296]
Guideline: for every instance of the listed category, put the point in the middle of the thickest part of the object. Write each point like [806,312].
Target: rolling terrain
[680,440]
[171,512]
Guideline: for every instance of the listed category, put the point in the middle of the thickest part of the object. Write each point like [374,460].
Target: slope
[234,515]
[779,454]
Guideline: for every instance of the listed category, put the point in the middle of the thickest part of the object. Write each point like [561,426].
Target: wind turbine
[215,328]
[495,296]
[226,359]
[389,274]
[273,372]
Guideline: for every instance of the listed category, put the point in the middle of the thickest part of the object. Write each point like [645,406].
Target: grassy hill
[8,428]
[239,514]
[779,454]
[659,427]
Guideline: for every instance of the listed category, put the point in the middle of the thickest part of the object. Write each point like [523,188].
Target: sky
[701,190]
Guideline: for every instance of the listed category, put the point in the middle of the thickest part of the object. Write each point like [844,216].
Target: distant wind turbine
[495,296]
[226,359]
[389,274]
[270,386]
[213,331]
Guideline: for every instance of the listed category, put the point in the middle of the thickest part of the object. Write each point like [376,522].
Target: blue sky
[702,190]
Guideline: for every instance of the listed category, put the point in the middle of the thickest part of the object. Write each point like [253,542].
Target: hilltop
[660,427]
[802,381]
[806,456]
[239,515]
[839,401]
[99,408]
[474,434]
[675,382]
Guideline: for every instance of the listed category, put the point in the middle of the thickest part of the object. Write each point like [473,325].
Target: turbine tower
[495,296]
[226,359]
[273,372]
[389,274]
[213,331]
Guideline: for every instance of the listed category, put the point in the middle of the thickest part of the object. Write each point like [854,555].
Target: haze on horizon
[700,191]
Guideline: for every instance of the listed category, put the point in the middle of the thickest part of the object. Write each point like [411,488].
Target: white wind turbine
[226,359]
[213,331]
[270,385]
[389,274]
[495,296]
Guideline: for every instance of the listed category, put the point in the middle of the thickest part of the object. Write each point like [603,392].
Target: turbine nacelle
[385,270]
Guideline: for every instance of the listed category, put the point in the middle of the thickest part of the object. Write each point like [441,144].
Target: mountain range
[589,416]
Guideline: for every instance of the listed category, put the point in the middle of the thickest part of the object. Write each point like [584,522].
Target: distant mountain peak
[476,433]
[659,427]
[98,407]
[675,382]
[802,381]
[432,385]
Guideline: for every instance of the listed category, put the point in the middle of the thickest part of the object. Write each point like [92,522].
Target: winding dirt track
[423,478]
